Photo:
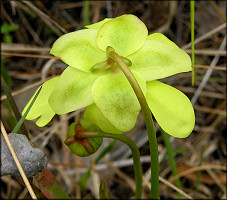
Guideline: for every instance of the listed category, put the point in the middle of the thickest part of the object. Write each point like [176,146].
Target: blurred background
[28,30]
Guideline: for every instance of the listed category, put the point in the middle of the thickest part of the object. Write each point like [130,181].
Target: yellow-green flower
[109,98]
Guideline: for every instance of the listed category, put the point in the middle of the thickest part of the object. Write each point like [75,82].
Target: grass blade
[199,172]
[15,130]
[102,191]
[172,161]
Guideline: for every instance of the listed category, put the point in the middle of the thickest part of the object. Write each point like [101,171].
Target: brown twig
[23,175]
[203,167]
[210,110]
[210,67]
[50,22]
[205,36]
[28,55]
[207,52]
[18,47]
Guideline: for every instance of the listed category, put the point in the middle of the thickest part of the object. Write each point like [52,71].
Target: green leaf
[94,115]
[115,98]
[6,28]
[78,49]
[48,185]
[106,150]
[41,107]
[171,108]
[83,180]
[98,24]
[102,190]
[125,34]
[158,59]
[8,38]
[72,91]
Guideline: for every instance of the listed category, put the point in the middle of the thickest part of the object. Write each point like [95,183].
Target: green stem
[148,120]
[199,172]
[132,146]
[172,161]
[86,13]
[192,11]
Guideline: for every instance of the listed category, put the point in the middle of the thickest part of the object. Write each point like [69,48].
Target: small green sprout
[94,81]
[6,29]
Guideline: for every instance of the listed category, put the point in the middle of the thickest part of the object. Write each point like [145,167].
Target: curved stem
[132,146]
[148,120]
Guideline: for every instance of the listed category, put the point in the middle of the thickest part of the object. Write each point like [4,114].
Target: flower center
[108,63]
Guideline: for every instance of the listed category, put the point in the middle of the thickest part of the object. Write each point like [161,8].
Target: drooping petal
[161,38]
[115,98]
[125,34]
[171,108]
[41,107]
[98,24]
[94,115]
[78,49]
[158,59]
[72,91]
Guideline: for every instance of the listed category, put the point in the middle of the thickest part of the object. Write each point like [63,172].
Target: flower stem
[192,12]
[86,12]
[132,146]
[148,120]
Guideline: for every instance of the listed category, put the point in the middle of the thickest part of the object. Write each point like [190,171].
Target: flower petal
[125,34]
[98,24]
[41,107]
[161,38]
[94,115]
[78,49]
[171,108]
[72,91]
[115,98]
[158,59]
